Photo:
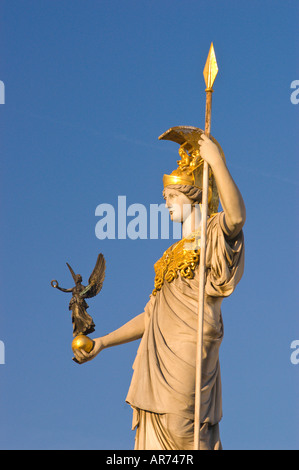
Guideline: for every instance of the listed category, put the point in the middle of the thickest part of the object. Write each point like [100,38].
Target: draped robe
[163,382]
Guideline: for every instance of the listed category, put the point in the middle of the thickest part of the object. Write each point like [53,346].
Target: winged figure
[82,321]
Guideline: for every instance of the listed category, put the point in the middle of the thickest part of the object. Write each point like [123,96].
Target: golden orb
[82,342]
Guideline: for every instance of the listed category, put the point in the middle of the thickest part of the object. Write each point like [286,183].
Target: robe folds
[163,380]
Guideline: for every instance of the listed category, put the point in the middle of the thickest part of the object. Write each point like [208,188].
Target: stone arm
[230,196]
[130,331]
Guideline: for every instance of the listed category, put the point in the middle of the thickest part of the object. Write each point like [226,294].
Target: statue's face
[178,204]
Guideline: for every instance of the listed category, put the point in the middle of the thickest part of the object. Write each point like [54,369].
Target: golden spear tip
[211,68]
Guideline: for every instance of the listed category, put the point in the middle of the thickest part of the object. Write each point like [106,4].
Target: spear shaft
[210,72]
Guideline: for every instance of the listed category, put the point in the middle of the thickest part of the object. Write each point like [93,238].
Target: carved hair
[193,193]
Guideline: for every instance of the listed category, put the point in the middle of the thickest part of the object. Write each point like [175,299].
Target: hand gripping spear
[210,72]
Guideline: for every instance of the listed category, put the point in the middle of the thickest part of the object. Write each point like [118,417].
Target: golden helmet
[190,167]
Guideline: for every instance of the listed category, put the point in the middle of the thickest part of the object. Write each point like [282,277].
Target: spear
[210,72]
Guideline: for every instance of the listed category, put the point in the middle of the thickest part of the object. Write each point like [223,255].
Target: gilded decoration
[181,258]
[189,169]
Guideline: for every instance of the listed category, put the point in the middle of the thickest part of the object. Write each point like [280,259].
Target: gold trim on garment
[181,258]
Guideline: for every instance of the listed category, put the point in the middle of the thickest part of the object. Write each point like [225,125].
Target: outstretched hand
[82,356]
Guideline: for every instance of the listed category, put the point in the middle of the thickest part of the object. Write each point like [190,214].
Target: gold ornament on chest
[180,259]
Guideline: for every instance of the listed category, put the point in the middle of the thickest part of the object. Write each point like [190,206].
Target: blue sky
[89,87]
